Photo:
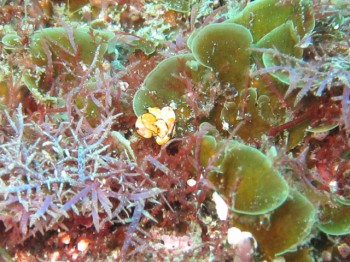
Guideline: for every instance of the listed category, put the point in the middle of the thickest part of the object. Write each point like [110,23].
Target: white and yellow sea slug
[158,123]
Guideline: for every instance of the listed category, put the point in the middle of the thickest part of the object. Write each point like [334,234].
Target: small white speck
[191,182]
[225,126]
[333,186]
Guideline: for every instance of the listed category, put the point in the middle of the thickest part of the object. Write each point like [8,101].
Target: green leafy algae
[286,228]
[258,108]
[262,16]
[182,6]
[85,41]
[245,175]
[335,220]
[284,38]
[224,48]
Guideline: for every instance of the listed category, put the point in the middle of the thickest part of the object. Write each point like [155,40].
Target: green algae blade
[224,48]
[285,229]
[262,16]
[247,176]
[335,220]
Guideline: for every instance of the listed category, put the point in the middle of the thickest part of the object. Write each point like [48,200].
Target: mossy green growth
[224,48]
[335,220]
[286,228]
[245,175]
[88,44]
[262,16]
[166,85]
[182,6]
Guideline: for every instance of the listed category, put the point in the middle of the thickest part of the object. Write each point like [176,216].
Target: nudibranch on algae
[158,123]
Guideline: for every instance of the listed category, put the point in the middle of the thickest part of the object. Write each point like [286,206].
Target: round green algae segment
[246,175]
[288,226]
[335,220]
[260,188]
[86,41]
[262,16]
[209,150]
[224,47]
[284,38]
[11,41]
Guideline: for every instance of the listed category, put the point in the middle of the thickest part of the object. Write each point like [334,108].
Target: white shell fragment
[221,206]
